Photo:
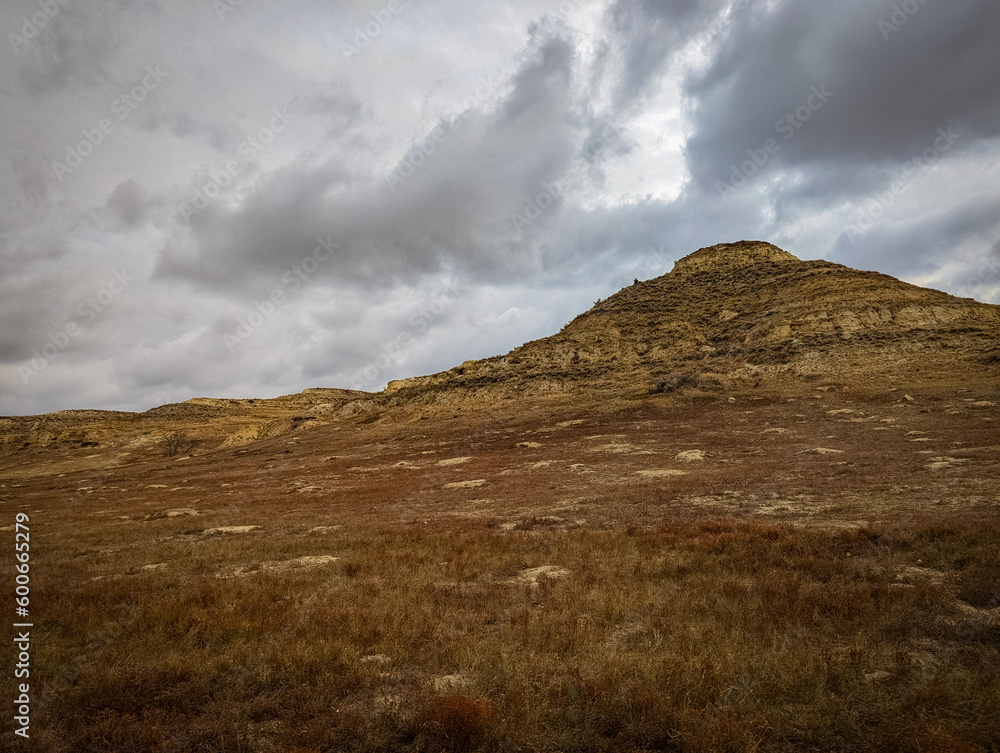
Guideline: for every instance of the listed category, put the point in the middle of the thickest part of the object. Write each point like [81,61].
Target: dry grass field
[789,571]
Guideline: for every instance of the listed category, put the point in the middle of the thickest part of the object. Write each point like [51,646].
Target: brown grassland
[563,582]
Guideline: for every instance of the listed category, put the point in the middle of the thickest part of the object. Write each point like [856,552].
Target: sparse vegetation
[177,443]
[693,635]
[770,602]
[791,547]
[675,382]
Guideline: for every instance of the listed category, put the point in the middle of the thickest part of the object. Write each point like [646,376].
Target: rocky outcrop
[739,313]
[730,316]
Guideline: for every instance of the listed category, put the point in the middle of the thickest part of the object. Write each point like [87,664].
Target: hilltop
[744,314]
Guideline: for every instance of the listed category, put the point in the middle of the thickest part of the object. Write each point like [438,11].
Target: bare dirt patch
[280,566]
[470,484]
[176,512]
[453,461]
[533,575]
[690,456]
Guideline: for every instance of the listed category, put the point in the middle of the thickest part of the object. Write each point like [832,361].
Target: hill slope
[739,313]
[728,317]
[810,564]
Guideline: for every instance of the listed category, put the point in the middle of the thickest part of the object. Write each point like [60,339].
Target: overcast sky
[246,198]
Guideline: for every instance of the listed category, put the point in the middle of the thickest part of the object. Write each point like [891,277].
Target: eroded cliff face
[77,439]
[740,313]
[727,317]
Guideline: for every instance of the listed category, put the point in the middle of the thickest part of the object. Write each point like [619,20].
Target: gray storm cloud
[282,211]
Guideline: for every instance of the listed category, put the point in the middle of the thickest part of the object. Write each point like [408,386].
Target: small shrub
[459,722]
[712,383]
[675,382]
[980,585]
[177,443]
[351,569]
